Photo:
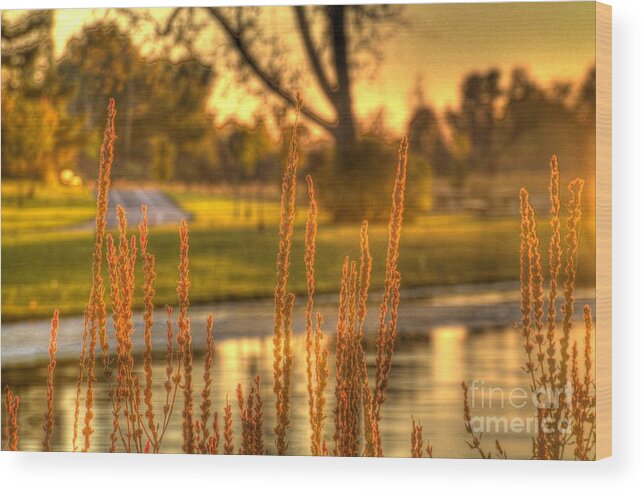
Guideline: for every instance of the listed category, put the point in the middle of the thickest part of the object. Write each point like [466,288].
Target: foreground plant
[566,416]
[140,423]
[11,407]
[48,425]
[136,424]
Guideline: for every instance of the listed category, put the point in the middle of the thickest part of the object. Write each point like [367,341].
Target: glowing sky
[437,43]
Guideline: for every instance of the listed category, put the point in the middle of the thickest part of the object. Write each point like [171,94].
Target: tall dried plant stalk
[322,375]
[97,296]
[79,380]
[206,403]
[185,340]
[316,354]
[126,396]
[309,261]
[228,436]
[282,336]
[476,437]
[571,259]
[48,424]
[366,264]
[390,298]
[417,441]
[11,430]
[552,365]
[347,368]
[527,226]
[251,413]
[96,306]
[213,442]
[555,261]
[149,278]
[172,376]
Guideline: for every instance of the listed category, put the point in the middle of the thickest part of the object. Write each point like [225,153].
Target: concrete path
[161,210]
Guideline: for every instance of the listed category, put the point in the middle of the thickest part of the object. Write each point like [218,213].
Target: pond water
[428,368]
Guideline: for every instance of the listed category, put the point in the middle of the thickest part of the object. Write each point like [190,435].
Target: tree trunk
[345,133]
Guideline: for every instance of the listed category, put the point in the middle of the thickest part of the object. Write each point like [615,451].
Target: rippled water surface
[425,382]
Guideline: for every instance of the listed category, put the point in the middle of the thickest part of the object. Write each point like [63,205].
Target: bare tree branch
[263,75]
[170,22]
[314,56]
[30,22]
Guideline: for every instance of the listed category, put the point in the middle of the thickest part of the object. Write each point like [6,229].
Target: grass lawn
[45,268]
[52,207]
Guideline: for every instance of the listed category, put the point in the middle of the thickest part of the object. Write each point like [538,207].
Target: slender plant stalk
[48,424]
[11,406]
[476,438]
[149,278]
[185,340]
[390,299]
[417,443]
[228,445]
[555,367]
[206,403]
[555,260]
[96,307]
[282,337]
[79,381]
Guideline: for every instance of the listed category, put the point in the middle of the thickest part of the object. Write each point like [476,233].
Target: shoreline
[473,306]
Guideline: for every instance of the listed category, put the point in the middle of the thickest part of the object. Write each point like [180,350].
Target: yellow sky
[438,43]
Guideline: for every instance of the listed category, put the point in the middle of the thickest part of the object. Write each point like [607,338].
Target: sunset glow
[433,46]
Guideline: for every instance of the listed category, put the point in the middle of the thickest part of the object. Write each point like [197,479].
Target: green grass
[51,208]
[230,258]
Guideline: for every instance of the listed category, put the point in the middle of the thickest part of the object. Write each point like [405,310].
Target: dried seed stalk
[11,405]
[48,424]
[282,337]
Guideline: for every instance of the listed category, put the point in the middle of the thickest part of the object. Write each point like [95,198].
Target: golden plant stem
[258,419]
[388,329]
[185,339]
[149,277]
[537,295]
[283,305]
[79,380]
[417,442]
[213,445]
[11,405]
[173,380]
[96,307]
[555,261]
[322,375]
[309,261]
[366,262]
[571,252]
[48,424]
[526,281]
[475,442]
[206,403]
[251,413]
[228,445]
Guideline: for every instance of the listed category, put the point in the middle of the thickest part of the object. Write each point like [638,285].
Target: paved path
[161,209]
[476,307]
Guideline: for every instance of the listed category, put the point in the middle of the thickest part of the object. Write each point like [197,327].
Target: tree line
[52,109]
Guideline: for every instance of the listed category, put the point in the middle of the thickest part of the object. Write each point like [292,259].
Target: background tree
[38,136]
[338,42]
[158,100]
[476,120]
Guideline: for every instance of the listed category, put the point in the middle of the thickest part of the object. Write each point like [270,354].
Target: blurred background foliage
[53,112]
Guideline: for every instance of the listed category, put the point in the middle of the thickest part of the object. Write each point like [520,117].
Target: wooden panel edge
[603,335]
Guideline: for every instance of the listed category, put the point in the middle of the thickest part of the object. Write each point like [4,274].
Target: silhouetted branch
[269,81]
[313,55]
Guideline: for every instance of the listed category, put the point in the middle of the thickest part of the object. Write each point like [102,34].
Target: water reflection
[425,382]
